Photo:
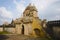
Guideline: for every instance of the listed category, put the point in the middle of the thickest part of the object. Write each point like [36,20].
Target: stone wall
[18,28]
[1,29]
[28,29]
[10,29]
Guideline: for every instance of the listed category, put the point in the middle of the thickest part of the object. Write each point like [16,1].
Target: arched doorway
[37,31]
[22,29]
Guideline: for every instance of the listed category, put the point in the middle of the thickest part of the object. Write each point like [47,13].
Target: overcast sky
[12,9]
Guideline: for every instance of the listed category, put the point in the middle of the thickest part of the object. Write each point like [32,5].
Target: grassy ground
[4,32]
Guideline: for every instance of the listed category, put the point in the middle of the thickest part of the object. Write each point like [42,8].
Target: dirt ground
[19,37]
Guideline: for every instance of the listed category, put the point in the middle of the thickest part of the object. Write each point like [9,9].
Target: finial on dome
[30,4]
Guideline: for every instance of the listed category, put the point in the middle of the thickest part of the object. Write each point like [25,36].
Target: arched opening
[22,29]
[37,31]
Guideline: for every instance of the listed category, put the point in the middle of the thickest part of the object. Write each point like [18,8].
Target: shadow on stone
[3,37]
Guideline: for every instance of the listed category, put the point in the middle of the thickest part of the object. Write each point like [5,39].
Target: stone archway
[37,31]
[22,31]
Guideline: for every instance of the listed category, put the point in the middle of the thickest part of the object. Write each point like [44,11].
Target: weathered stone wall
[37,28]
[18,28]
[10,29]
[27,29]
[1,29]
[30,28]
